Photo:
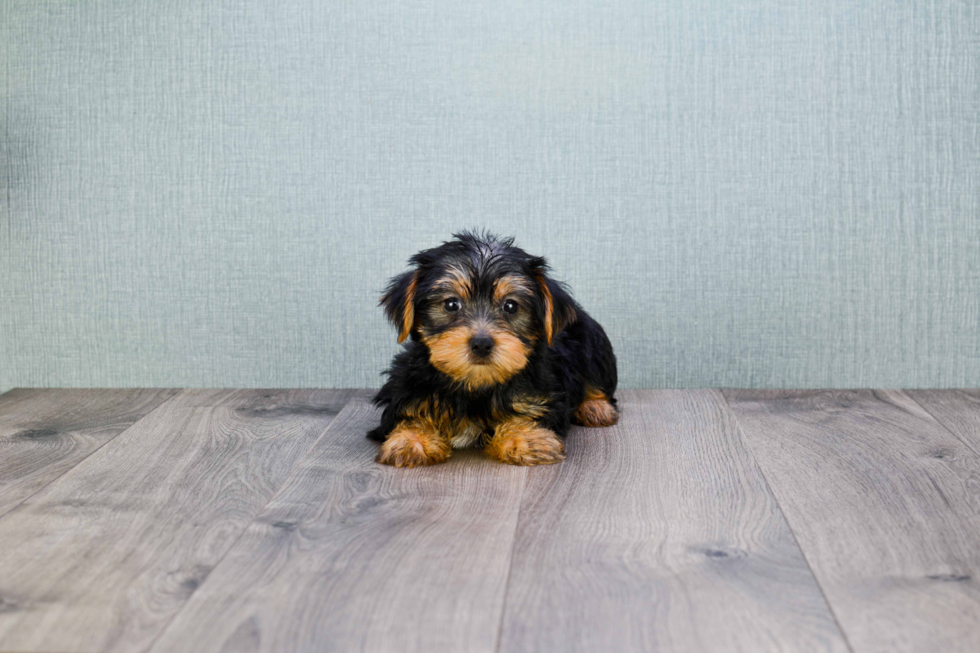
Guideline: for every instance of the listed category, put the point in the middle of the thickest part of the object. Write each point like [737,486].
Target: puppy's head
[480,306]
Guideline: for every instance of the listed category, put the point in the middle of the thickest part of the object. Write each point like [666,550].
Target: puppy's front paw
[410,447]
[521,442]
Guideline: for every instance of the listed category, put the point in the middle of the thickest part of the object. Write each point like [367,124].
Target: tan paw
[521,442]
[409,447]
[596,412]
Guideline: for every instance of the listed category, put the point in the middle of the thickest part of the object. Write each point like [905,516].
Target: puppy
[500,356]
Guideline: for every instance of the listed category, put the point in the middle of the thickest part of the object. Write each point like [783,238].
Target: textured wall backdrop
[745,193]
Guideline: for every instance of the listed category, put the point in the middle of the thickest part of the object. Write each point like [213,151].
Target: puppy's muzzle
[481,345]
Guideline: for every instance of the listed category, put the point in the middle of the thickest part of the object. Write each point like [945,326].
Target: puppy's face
[480,306]
[479,331]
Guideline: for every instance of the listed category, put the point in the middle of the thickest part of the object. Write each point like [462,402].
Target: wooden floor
[257,520]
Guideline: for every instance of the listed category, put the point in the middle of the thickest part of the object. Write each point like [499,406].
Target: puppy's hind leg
[595,410]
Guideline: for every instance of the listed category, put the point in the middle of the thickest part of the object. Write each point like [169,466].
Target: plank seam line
[510,561]
[285,481]
[965,443]
[792,531]
[90,454]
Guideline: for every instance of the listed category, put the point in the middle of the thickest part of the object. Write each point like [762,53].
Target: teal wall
[745,193]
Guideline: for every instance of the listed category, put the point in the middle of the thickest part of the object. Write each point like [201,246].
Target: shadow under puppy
[500,356]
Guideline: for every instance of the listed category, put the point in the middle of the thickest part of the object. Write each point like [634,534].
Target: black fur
[580,353]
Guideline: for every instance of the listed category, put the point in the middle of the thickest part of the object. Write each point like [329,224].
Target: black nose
[481,345]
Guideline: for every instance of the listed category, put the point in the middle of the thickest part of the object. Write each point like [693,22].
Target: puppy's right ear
[399,302]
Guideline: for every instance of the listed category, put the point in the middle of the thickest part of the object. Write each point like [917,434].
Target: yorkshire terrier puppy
[500,356]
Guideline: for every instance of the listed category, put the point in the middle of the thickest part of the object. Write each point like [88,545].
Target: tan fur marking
[408,320]
[595,410]
[449,352]
[457,281]
[547,308]
[432,416]
[529,405]
[508,285]
[520,441]
[412,444]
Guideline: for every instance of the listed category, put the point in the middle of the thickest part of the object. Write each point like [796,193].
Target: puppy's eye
[452,305]
[510,306]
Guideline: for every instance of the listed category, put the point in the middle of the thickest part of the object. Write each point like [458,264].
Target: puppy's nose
[481,345]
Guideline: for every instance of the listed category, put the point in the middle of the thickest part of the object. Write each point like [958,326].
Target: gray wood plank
[660,534]
[104,557]
[957,410]
[885,504]
[353,555]
[46,432]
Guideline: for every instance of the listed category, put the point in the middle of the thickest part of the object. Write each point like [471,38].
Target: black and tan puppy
[500,357]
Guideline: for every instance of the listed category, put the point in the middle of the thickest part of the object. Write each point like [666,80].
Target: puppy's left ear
[399,302]
[559,307]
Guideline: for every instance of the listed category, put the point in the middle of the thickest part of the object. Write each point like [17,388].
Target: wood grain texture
[660,534]
[105,556]
[957,410]
[45,432]
[352,555]
[885,503]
